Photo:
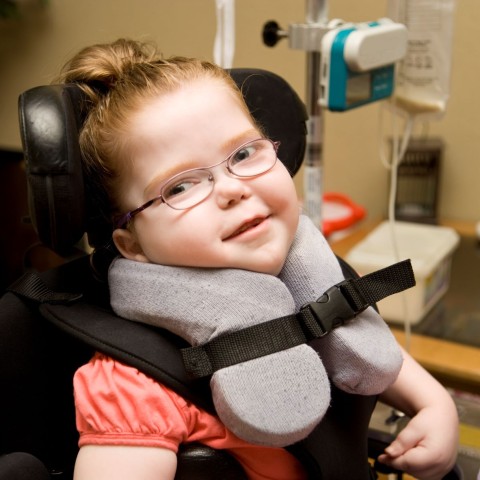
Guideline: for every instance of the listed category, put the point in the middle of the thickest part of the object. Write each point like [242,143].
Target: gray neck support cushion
[362,356]
[278,399]
[274,400]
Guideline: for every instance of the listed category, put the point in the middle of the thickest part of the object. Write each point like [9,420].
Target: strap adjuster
[330,311]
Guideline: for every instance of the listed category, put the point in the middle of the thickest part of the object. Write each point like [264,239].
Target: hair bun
[100,67]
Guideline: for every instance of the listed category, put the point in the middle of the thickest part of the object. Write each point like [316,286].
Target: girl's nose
[229,190]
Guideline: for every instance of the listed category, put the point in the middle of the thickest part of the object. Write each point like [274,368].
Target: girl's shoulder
[116,403]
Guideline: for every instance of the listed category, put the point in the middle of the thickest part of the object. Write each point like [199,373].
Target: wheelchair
[52,327]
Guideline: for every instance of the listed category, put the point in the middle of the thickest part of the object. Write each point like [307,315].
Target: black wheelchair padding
[50,117]
[62,204]
[277,108]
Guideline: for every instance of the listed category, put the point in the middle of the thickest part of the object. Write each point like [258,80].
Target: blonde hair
[118,79]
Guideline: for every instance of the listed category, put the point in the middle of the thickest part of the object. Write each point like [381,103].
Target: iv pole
[317,14]
[307,37]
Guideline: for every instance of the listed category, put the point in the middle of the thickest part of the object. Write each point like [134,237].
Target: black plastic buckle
[330,311]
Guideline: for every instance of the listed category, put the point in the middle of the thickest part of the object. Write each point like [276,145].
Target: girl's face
[246,223]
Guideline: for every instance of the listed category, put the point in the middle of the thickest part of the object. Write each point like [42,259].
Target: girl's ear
[128,245]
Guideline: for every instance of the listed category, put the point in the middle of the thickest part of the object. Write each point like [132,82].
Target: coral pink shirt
[118,405]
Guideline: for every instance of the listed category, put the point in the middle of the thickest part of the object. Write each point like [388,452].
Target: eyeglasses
[191,187]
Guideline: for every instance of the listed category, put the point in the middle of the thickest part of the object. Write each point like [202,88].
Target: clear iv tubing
[398,152]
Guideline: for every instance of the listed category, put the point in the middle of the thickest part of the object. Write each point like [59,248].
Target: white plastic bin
[430,249]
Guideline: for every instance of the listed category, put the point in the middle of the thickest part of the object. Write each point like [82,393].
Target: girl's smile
[250,227]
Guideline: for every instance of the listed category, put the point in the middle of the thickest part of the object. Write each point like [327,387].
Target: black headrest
[51,117]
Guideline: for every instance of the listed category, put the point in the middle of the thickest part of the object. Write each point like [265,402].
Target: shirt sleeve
[118,405]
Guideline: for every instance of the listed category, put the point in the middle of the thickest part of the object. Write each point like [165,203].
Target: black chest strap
[338,305]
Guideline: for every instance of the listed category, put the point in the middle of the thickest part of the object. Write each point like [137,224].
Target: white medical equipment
[338,69]
[358,63]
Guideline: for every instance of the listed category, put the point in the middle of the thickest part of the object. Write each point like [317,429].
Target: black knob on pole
[272,33]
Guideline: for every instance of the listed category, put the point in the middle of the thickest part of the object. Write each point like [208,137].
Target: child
[201,205]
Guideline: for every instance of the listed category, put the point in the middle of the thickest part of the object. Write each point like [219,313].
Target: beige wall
[33,49]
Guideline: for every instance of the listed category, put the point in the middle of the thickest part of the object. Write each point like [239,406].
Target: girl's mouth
[245,227]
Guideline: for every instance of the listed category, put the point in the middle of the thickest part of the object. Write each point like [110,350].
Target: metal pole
[316,13]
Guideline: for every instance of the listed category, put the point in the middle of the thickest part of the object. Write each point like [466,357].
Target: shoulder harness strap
[153,351]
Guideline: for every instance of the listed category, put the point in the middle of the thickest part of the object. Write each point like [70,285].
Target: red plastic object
[340,212]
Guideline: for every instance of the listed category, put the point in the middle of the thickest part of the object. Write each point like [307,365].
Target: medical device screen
[359,88]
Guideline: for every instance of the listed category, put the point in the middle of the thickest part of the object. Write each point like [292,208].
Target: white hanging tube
[224,44]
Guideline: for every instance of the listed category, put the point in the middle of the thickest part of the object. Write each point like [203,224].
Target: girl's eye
[180,187]
[245,153]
